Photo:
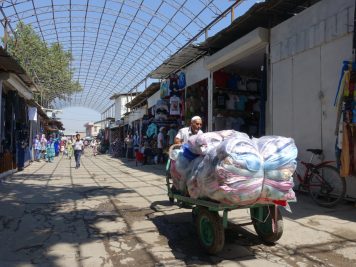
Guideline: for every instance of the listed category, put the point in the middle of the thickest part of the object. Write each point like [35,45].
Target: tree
[49,66]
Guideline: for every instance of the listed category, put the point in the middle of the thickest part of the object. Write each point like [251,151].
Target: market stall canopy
[142,97]
[265,14]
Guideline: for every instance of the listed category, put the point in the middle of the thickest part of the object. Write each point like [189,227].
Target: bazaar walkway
[112,213]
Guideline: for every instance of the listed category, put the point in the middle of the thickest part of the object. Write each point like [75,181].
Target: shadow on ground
[36,220]
[183,240]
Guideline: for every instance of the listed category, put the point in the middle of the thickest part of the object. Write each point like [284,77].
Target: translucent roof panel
[115,43]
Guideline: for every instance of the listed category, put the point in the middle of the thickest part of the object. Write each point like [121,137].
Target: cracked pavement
[113,213]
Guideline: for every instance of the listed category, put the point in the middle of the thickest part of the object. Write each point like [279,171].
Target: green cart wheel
[210,230]
[268,226]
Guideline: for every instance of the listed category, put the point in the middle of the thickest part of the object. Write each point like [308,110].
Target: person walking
[38,148]
[56,146]
[94,146]
[43,146]
[129,146]
[70,151]
[78,147]
[50,151]
[160,145]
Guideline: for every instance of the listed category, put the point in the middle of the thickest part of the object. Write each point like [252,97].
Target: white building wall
[120,103]
[196,72]
[307,52]
[152,100]
[137,114]
[118,112]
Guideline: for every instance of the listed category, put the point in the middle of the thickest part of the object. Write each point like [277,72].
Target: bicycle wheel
[326,187]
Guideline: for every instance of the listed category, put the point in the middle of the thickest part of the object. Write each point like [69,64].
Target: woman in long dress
[70,151]
[50,150]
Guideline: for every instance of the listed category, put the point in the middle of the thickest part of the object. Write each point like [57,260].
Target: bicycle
[323,181]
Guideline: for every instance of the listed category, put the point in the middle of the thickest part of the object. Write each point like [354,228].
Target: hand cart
[266,219]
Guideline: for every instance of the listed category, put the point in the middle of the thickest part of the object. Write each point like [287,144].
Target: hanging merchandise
[161,110]
[32,113]
[345,125]
[151,130]
[181,80]
[221,99]
[174,105]
[173,85]
[164,89]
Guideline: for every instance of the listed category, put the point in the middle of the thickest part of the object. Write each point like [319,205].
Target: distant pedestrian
[129,145]
[94,146]
[78,148]
[69,147]
[160,145]
[56,146]
[38,148]
[50,152]
[43,146]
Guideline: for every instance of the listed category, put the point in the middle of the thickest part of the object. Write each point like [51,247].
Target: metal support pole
[210,102]
[1,125]
[232,14]
[5,33]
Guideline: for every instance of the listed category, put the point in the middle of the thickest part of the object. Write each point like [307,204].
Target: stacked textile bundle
[231,168]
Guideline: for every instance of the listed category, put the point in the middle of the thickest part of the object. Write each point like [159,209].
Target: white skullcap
[195,118]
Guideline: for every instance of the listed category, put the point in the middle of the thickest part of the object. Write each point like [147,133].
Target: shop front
[238,85]
[15,124]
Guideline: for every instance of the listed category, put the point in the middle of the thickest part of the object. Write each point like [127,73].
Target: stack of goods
[229,167]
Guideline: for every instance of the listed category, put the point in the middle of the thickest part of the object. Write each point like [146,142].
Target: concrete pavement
[112,213]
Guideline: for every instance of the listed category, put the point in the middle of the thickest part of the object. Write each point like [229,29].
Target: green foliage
[49,66]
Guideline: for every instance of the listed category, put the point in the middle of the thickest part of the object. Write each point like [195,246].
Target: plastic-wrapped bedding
[276,151]
[279,155]
[229,167]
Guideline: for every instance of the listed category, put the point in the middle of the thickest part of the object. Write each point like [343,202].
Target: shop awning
[246,45]
[9,64]
[40,111]
[182,58]
[114,96]
[142,97]
[266,15]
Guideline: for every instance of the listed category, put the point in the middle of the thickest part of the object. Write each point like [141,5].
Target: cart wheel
[210,230]
[269,227]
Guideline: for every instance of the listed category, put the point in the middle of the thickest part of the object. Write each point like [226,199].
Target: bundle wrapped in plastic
[279,155]
[231,173]
[229,167]
[183,167]
[200,144]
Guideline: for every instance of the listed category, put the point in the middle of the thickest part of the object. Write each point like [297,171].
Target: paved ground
[112,213]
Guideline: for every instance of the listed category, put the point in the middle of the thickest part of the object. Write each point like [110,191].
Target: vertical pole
[5,33]
[232,14]
[354,37]
[206,34]
[210,102]
[1,125]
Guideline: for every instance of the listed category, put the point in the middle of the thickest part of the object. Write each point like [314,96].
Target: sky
[74,118]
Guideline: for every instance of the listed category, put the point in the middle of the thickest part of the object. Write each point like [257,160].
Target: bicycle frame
[309,168]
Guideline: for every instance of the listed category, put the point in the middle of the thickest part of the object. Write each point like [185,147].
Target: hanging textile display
[32,113]
[345,130]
